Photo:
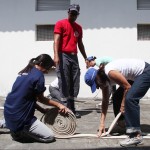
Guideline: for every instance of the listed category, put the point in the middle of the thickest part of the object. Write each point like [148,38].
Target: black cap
[74,7]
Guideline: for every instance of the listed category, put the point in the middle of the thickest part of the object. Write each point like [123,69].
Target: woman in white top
[118,72]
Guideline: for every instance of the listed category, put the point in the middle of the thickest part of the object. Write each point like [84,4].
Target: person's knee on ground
[37,132]
[23,137]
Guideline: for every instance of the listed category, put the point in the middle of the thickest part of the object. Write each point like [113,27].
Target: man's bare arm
[56,48]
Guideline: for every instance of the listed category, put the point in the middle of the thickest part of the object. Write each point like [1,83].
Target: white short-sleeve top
[129,68]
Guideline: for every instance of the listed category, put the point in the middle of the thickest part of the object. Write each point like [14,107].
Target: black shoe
[77,115]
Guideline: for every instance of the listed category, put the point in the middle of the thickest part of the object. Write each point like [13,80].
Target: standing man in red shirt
[67,36]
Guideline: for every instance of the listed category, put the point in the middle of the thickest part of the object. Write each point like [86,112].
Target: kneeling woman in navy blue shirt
[20,104]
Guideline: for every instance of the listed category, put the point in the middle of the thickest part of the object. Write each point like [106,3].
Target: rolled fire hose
[64,126]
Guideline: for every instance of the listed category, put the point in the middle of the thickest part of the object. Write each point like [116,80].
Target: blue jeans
[137,91]
[117,99]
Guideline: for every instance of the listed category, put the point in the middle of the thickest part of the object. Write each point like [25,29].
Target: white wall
[109,28]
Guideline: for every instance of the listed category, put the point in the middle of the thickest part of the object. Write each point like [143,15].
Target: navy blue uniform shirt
[20,103]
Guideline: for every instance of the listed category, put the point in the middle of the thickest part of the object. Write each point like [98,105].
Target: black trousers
[68,73]
[117,99]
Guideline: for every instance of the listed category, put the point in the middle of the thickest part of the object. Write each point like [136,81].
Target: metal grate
[143,4]
[143,31]
[45,32]
[48,5]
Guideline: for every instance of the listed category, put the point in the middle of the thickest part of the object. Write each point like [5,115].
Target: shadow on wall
[19,15]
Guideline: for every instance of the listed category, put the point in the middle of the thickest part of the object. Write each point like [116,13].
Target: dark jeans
[137,91]
[68,73]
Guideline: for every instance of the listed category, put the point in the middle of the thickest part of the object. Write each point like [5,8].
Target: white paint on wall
[109,29]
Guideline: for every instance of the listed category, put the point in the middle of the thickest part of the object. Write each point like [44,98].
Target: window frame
[44,34]
[51,5]
[145,35]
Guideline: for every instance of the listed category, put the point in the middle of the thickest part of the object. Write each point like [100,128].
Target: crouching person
[20,104]
[120,72]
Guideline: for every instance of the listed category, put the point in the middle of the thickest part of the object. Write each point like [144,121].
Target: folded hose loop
[61,124]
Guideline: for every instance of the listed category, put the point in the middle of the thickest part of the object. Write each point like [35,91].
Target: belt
[70,53]
[73,53]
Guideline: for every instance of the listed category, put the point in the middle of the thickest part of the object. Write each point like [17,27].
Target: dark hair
[43,60]
[101,78]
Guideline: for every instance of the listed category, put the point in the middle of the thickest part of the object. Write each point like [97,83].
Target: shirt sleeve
[58,28]
[40,86]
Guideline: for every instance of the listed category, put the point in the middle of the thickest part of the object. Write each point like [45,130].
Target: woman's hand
[101,130]
[63,109]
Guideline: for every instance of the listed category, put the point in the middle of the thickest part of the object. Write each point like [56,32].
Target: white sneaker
[2,124]
[132,141]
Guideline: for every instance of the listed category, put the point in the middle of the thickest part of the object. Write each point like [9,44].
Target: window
[44,32]
[143,4]
[143,32]
[48,5]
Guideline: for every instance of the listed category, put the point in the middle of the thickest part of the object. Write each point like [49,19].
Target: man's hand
[56,60]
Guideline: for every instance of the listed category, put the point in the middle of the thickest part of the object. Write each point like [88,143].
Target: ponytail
[30,65]
[43,60]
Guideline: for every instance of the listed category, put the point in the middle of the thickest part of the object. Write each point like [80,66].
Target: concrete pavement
[88,124]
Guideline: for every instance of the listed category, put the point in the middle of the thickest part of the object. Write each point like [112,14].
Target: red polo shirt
[70,33]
